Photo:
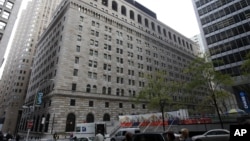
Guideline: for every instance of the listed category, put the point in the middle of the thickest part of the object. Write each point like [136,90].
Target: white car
[213,135]
[85,139]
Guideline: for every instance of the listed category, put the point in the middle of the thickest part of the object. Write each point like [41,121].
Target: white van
[120,134]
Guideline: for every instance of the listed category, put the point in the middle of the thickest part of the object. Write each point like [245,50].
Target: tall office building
[15,80]
[91,59]
[225,26]
[8,15]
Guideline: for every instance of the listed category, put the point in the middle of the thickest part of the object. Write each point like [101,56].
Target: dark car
[149,137]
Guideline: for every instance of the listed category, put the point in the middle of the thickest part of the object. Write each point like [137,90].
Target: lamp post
[37,102]
[162,105]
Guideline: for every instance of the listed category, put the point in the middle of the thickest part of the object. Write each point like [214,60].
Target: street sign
[39,97]
[29,124]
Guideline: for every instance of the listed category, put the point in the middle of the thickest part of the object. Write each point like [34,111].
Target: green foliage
[245,67]
[204,75]
[156,89]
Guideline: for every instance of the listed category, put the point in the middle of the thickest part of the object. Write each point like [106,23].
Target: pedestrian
[170,136]
[185,135]
[128,136]
[1,136]
[99,136]
[71,136]
[17,137]
[55,136]
[9,136]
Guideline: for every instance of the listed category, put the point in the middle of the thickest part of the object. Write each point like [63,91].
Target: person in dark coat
[9,136]
[1,136]
[170,136]
[17,137]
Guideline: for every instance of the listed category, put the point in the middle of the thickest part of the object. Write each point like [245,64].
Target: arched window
[122,92]
[41,124]
[124,11]
[94,90]
[109,90]
[103,90]
[159,29]
[164,32]
[37,123]
[114,5]
[90,118]
[47,123]
[131,14]
[146,22]
[106,117]
[139,18]
[70,122]
[105,2]
[117,91]
[88,88]
[153,26]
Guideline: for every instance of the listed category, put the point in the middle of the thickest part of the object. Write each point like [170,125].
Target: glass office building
[225,26]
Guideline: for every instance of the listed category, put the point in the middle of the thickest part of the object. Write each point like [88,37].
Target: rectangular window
[2,2]
[80,28]
[2,25]
[9,5]
[106,104]
[76,60]
[72,102]
[91,103]
[73,87]
[120,105]
[81,18]
[79,37]
[78,48]
[75,73]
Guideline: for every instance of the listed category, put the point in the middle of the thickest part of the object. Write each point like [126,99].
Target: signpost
[29,126]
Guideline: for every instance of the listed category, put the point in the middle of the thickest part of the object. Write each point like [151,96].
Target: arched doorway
[90,118]
[47,123]
[106,117]
[70,122]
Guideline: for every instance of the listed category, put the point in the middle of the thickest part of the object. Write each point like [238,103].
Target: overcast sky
[178,14]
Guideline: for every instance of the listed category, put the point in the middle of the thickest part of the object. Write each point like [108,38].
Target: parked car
[149,137]
[213,135]
[120,134]
[85,139]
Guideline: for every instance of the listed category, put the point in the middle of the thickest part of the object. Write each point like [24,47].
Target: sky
[177,14]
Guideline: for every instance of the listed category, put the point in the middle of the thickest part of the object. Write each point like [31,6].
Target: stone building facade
[91,59]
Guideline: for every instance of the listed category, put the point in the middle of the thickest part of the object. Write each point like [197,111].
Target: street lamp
[162,105]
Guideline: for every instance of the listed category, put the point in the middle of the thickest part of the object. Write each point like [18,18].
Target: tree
[203,74]
[157,88]
[245,67]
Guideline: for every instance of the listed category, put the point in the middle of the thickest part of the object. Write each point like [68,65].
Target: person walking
[1,136]
[170,136]
[17,137]
[185,135]
[99,136]
[9,136]
[128,136]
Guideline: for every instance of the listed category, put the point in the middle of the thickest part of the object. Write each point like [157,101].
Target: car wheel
[112,140]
